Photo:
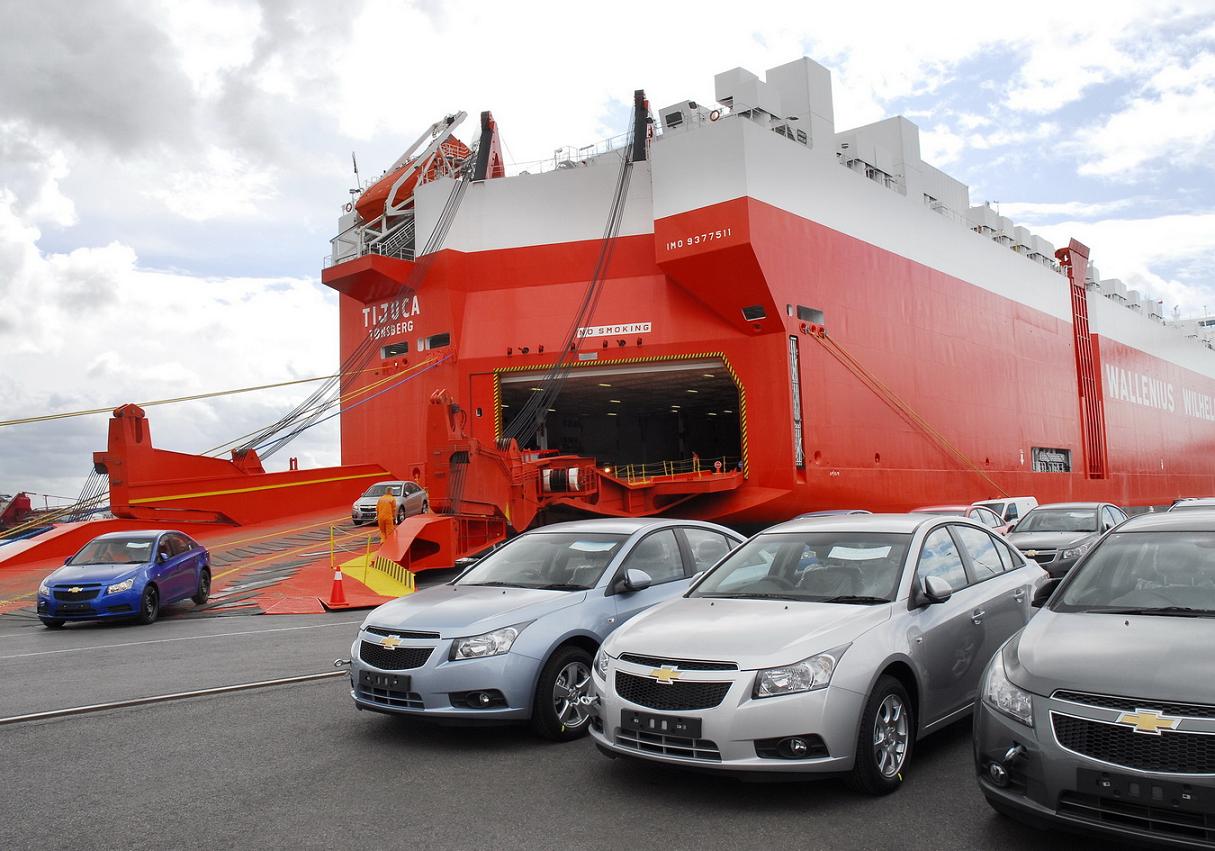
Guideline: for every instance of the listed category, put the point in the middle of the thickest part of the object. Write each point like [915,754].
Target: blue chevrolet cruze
[126,575]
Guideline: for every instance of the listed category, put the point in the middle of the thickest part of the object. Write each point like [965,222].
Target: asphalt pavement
[296,766]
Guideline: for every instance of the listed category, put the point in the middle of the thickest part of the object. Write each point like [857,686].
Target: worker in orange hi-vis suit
[386,514]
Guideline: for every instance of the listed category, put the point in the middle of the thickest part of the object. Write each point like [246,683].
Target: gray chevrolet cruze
[1100,715]
[512,638]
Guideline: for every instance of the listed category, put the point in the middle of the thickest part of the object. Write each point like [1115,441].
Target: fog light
[483,699]
[998,774]
[797,747]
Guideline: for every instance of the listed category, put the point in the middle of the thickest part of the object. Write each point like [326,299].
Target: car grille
[399,633]
[1133,704]
[681,664]
[400,659]
[1170,752]
[388,697]
[1161,821]
[85,593]
[1040,556]
[677,695]
[701,749]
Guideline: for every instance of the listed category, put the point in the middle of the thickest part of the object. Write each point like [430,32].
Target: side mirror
[698,574]
[1044,593]
[635,580]
[1012,524]
[162,556]
[936,589]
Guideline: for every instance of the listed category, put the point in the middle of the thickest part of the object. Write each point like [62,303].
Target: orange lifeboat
[370,204]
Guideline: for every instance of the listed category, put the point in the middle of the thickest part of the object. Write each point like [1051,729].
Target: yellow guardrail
[640,474]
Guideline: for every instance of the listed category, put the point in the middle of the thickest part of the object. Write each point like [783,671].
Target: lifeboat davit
[370,205]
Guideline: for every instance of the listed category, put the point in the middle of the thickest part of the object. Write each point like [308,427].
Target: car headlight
[1076,552]
[807,675]
[119,587]
[1004,697]
[601,664]
[487,644]
[44,590]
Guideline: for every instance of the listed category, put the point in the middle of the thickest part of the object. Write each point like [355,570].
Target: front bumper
[362,513]
[433,684]
[1048,786]
[125,604]
[729,731]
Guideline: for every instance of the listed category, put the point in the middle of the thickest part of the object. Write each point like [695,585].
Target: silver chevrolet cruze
[821,646]
[1099,716]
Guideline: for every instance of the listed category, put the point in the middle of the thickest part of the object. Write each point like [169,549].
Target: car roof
[1170,521]
[945,508]
[620,525]
[1190,502]
[904,523]
[134,533]
[1073,505]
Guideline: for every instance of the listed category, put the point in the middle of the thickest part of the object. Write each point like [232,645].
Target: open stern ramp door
[637,419]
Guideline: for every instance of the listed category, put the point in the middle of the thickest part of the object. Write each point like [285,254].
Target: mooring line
[165,698]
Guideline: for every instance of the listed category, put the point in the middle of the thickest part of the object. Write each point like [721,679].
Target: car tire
[204,588]
[400,515]
[53,623]
[149,606]
[565,678]
[885,740]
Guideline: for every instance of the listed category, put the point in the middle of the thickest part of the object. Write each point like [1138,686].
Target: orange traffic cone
[337,596]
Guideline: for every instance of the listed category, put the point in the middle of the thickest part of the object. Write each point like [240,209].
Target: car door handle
[977,616]
[1019,595]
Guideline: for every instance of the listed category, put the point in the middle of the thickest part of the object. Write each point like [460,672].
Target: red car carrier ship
[734,312]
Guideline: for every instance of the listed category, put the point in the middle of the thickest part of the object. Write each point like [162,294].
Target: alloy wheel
[890,736]
[571,685]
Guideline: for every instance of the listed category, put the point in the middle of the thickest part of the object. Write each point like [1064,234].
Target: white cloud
[1170,123]
[227,186]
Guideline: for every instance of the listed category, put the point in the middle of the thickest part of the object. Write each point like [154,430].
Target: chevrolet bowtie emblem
[1031,553]
[75,589]
[390,641]
[665,675]
[1148,721]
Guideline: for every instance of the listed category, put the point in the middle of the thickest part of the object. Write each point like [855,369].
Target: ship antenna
[355,163]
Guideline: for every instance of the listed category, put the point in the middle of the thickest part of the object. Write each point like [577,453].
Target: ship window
[809,314]
[434,341]
[391,351]
[754,313]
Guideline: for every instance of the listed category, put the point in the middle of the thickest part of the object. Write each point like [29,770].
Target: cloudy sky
[170,173]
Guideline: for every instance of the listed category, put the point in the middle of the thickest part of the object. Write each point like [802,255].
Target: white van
[1010,508]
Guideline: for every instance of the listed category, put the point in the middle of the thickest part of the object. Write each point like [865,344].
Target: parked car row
[831,645]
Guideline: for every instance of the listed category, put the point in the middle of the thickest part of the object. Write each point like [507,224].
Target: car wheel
[400,515]
[558,712]
[885,741]
[204,588]
[53,623]
[149,605]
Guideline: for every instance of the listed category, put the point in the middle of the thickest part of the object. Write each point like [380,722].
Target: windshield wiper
[559,586]
[855,598]
[755,595]
[495,585]
[1170,611]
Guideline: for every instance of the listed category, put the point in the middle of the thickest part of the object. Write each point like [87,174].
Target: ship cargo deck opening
[638,415]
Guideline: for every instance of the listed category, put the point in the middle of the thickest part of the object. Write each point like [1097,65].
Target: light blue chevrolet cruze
[512,638]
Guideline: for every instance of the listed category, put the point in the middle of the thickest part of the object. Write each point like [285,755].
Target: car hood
[366,501]
[1146,656]
[1047,540]
[458,610]
[92,572]
[752,633]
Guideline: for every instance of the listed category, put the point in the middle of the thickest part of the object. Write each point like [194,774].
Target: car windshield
[115,551]
[1167,573]
[380,490]
[1194,506]
[1059,520]
[837,567]
[557,561]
